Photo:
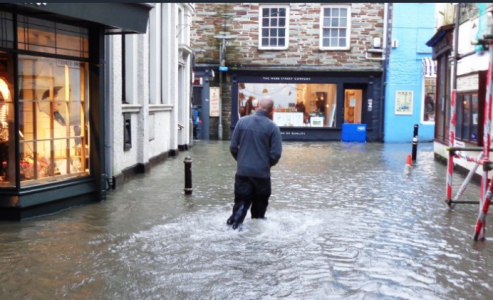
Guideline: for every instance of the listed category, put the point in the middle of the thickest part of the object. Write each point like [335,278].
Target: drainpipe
[383,84]
[455,49]
[108,141]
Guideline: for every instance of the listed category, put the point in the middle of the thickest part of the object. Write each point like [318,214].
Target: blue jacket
[256,145]
[195,117]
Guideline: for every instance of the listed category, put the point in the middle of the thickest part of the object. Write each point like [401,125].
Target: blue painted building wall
[412,26]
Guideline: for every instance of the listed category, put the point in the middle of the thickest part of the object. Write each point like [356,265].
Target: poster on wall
[215,101]
[404,102]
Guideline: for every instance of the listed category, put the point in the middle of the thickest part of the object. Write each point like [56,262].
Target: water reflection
[344,222]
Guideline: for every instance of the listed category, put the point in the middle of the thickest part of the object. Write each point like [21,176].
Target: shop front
[313,106]
[51,104]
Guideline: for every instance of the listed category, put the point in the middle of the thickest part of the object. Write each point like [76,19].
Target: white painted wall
[158,97]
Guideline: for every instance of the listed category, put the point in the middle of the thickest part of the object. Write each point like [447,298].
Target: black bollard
[188,175]
[415,141]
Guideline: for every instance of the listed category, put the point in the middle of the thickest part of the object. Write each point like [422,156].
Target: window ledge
[273,49]
[160,107]
[131,108]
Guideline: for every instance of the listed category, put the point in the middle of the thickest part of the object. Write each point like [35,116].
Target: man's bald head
[266,103]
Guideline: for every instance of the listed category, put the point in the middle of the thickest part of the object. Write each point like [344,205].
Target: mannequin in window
[250,106]
[241,104]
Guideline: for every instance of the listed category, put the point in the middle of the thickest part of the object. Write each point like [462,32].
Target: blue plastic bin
[353,132]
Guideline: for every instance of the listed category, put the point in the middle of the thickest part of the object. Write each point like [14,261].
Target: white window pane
[342,42]
[327,22]
[335,22]
[343,22]
[282,22]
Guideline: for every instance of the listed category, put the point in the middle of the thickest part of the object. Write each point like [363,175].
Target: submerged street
[344,222]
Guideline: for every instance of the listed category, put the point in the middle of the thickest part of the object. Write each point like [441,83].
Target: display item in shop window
[250,106]
[300,107]
[45,105]
[321,105]
[5,99]
[256,145]
[241,104]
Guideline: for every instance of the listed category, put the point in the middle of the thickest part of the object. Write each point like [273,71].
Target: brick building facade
[302,54]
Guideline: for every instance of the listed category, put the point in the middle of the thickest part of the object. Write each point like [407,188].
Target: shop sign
[69,63]
[275,78]
[468,83]
[215,102]
[293,133]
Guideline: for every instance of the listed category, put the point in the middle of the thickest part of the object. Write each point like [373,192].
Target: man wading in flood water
[256,145]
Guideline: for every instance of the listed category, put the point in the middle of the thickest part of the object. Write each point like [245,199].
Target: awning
[429,67]
[116,17]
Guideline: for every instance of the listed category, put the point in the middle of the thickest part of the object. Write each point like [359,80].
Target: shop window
[299,105]
[54,126]
[274,29]
[467,119]
[442,111]
[335,27]
[429,100]
[7,136]
[52,37]
[7,30]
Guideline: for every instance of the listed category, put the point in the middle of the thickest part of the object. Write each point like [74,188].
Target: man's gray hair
[266,103]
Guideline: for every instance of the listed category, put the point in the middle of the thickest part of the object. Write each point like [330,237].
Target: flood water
[344,222]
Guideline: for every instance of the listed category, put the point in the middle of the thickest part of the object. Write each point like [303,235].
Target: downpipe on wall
[383,81]
[108,140]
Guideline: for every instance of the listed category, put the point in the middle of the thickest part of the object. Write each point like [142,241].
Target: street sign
[223,68]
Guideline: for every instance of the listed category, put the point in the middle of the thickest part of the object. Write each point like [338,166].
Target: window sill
[273,49]
[160,107]
[131,108]
[335,49]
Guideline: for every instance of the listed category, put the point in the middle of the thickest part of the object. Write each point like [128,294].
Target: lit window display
[302,105]
[53,110]
[7,146]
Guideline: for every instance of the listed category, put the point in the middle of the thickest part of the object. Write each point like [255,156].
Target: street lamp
[222,67]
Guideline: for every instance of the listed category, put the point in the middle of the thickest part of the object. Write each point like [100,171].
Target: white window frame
[423,98]
[348,27]
[260,27]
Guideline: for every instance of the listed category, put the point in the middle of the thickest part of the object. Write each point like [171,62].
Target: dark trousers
[250,191]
